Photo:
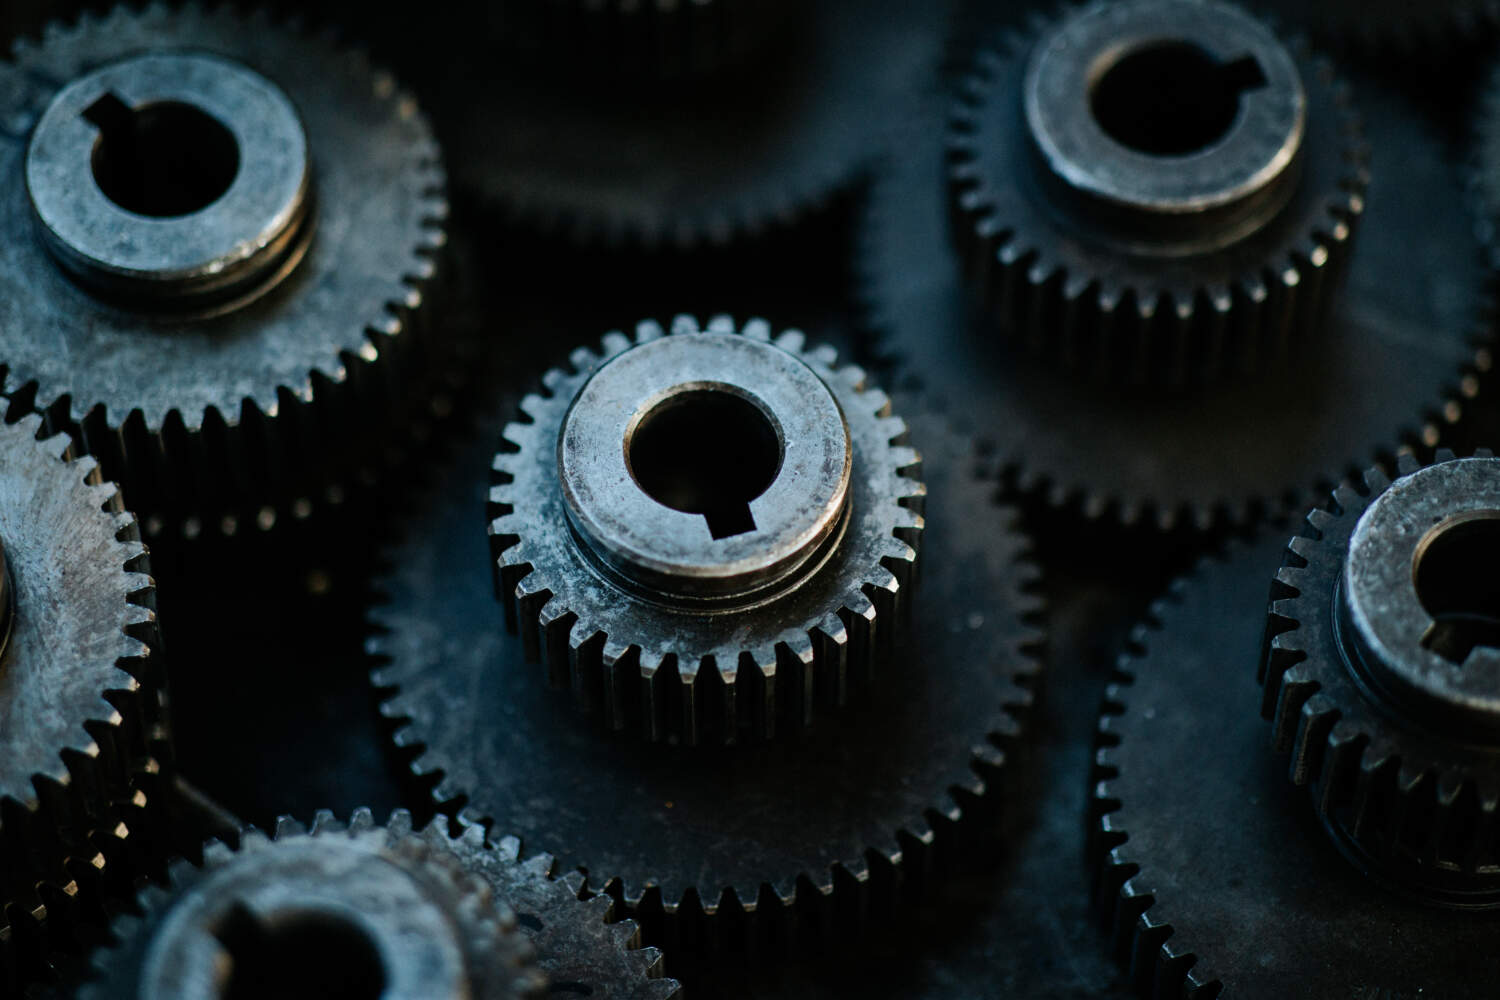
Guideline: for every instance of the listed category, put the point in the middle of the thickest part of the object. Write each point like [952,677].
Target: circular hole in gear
[162,160]
[305,956]
[1171,98]
[706,451]
[1454,572]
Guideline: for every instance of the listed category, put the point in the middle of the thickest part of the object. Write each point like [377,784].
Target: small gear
[1389,369]
[664,165]
[1380,673]
[360,911]
[1155,210]
[1214,877]
[707,534]
[715,848]
[221,236]
[79,682]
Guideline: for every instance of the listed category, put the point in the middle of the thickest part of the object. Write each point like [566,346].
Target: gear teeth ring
[809,645]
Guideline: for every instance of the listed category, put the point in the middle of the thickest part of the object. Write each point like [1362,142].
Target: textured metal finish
[1214,874]
[712,849]
[1171,199]
[674,632]
[7,600]
[1386,705]
[259,400]
[388,912]
[1396,362]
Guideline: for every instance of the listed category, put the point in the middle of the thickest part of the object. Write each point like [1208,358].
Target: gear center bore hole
[706,451]
[303,956]
[1172,98]
[162,160]
[1455,574]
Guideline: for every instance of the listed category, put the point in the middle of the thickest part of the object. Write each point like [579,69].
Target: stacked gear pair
[220,240]
[709,535]
[1377,666]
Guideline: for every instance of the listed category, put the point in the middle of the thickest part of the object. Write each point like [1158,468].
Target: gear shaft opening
[164,159]
[1454,575]
[303,956]
[1172,98]
[706,451]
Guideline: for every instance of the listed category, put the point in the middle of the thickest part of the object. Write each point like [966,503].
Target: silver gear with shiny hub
[1169,199]
[79,683]
[707,534]
[221,237]
[1380,671]
[363,910]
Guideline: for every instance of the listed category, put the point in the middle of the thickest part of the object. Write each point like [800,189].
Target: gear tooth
[647,331]
[615,343]
[286,826]
[323,821]
[1407,463]
[685,325]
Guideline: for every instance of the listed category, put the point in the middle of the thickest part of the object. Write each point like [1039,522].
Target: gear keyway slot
[1454,573]
[165,159]
[1172,98]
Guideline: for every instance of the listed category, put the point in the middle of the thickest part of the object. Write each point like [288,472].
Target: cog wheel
[1215,879]
[738,152]
[693,597]
[1389,368]
[79,684]
[1379,675]
[222,236]
[713,848]
[1126,238]
[361,911]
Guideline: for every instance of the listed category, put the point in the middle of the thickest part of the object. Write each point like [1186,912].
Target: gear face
[1380,672]
[79,685]
[1215,877]
[705,846]
[707,534]
[361,911]
[1389,367]
[1120,228]
[220,238]
[687,165]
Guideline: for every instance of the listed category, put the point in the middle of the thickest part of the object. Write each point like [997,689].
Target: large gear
[363,911]
[220,238]
[1391,367]
[1123,230]
[80,684]
[1213,875]
[698,600]
[717,845]
[1379,675]
[685,165]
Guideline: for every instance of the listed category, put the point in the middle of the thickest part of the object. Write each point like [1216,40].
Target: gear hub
[1168,200]
[1382,671]
[710,510]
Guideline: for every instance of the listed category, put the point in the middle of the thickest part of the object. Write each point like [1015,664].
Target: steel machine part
[708,535]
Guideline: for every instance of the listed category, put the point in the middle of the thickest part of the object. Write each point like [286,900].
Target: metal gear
[695,599]
[1171,199]
[1215,879]
[1384,27]
[221,237]
[684,166]
[1379,675]
[79,683]
[1484,178]
[363,911]
[714,848]
[1390,367]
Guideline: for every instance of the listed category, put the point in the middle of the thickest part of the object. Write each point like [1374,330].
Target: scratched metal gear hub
[219,240]
[708,534]
[1380,675]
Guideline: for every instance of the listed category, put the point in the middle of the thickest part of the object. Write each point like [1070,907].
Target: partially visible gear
[1171,198]
[717,849]
[80,686]
[1380,674]
[1383,27]
[1393,367]
[1484,178]
[220,237]
[1215,879]
[669,164]
[357,912]
[708,534]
